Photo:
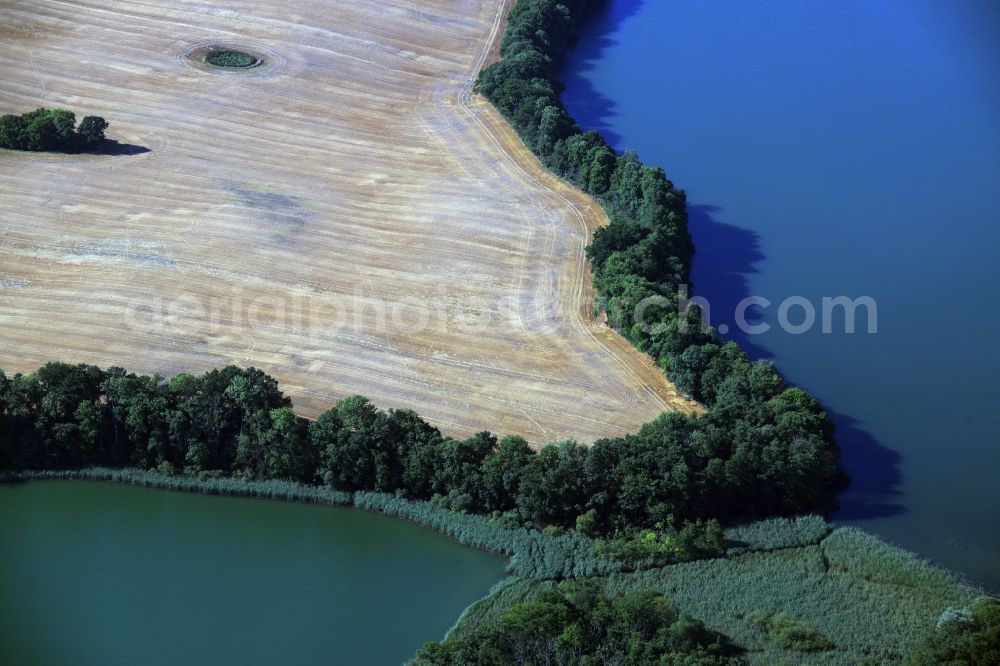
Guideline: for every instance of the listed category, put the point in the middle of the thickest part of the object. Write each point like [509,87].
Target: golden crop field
[348,217]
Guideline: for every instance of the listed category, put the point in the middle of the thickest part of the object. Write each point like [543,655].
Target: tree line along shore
[597,535]
[607,540]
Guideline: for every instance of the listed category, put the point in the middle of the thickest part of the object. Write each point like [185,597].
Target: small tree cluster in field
[51,130]
[233,59]
[577,623]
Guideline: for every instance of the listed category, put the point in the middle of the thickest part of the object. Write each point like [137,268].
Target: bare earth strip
[349,218]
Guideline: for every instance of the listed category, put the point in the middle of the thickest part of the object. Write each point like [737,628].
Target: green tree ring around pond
[232,59]
[224,58]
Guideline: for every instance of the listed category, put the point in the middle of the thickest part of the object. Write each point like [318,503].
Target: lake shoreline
[530,552]
[219,486]
[827,558]
[756,139]
[109,563]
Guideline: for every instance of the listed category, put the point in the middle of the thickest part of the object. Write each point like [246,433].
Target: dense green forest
[51,130]
[671,479]
[645,253]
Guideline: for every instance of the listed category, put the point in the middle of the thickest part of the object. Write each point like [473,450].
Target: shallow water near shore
[848,149]
[99,573]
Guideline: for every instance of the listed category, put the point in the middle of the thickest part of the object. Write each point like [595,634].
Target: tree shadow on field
[591,109]
[112,147]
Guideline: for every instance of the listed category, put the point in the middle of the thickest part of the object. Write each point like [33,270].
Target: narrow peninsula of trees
[644,257]
[51,130]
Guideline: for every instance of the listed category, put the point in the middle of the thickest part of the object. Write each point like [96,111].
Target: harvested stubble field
[293,216]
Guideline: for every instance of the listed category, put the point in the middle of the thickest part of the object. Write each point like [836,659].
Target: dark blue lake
[840,149]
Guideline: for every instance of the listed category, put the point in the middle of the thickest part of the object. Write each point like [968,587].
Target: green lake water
[98,573]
